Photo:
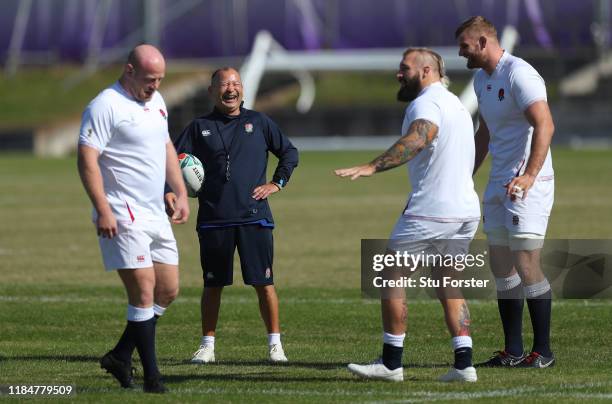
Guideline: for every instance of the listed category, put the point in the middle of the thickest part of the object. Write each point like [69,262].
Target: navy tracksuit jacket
[244,140]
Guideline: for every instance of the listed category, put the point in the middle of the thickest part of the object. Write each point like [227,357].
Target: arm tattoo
[464,320]
[420,134]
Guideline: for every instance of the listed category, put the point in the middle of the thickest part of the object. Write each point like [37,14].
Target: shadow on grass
[297,364]
[172,362]
[259,377]
[66,358]
[310,365]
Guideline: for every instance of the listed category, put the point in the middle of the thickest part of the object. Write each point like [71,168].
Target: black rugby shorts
[255,248]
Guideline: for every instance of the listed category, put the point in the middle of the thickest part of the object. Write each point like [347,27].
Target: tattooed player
[438,140]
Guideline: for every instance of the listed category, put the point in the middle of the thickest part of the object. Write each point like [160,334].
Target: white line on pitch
[250,300]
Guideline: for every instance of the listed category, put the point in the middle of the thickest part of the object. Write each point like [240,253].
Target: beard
[473,62]
[409,90]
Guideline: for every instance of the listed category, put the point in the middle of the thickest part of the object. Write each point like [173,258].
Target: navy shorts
[255,248]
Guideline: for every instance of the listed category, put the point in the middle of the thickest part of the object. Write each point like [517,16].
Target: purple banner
[213,28]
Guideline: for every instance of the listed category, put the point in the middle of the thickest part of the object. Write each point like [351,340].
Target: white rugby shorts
[415,236]
[523,216]
[138,244]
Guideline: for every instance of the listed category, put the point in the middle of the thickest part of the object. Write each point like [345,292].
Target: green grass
[41,96]
[59,311]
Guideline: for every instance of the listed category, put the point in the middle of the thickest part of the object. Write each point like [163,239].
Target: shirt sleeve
[282,148]
[527,87]
[424,109]
[96,125]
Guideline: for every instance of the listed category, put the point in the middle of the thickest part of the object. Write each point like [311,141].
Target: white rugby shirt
[441,174]
[131,137]
[503,98]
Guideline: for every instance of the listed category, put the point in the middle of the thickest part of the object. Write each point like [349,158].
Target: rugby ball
[193,173]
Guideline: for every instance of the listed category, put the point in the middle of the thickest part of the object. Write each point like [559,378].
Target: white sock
[159,311]
[139,313]
[504,284]
[461,342]
[537,289]
[207,340]
[394,340]
[274,339]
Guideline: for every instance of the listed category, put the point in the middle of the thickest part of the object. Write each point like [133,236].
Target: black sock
[144,336]
[510,304]
[463,358]
[124,348]
[392,356]
[540,311]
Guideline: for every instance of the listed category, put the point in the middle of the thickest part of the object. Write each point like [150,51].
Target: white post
[255,66]
[252,70]
[19,30]
[97,35]
[152,22]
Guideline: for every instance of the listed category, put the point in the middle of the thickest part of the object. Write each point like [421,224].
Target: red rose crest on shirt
[163,114]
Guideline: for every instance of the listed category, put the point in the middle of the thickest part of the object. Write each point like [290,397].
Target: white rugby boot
[455,375]
[204,354]
[277,354]
[378,371]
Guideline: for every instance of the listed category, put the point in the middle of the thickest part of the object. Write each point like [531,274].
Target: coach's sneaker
[154,385]
[123,372]
[204,354]
[502,359]
[378,371]
[277,354]
[535,360]
[456,375]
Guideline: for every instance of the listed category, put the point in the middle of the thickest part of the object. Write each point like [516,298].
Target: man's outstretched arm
[420,134]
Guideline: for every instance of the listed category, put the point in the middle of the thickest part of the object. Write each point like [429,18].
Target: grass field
[59,311]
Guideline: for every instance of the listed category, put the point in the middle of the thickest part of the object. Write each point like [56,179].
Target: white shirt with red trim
[131,137]
[441,174]
[503,98]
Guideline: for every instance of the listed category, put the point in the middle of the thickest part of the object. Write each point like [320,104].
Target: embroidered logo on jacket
[248,127]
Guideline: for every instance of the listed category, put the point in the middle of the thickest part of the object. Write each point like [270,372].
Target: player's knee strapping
[525,241]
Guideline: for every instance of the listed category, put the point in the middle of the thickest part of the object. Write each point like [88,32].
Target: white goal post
[268,55]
